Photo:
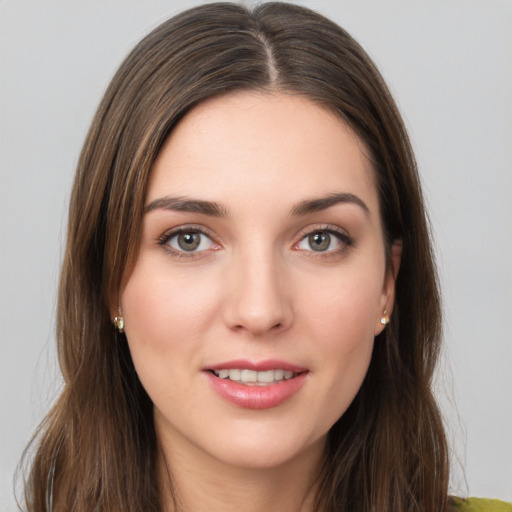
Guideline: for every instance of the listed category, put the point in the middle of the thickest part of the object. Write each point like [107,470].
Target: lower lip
[257,397]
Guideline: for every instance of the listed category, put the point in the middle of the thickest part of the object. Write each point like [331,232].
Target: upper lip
[259,366]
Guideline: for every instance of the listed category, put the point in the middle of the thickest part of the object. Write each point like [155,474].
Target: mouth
[249,377]
[256,385]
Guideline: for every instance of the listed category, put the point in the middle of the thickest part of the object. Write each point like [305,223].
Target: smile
[256,385]
[254,378]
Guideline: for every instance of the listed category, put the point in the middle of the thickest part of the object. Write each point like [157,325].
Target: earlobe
[381,322]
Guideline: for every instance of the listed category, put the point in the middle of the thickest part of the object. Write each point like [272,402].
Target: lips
[259,385]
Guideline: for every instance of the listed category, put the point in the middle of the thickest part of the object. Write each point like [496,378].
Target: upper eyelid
[305,230]
[332,228]
[187,227]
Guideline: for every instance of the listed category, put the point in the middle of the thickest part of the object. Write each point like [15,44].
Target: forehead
[254,145]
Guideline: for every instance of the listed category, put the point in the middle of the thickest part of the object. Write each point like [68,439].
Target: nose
[257,297]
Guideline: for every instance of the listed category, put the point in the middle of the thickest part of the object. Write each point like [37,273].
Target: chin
[253,452]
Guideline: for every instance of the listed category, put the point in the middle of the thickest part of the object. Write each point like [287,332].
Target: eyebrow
[213,209]
[323,203]
[185,204]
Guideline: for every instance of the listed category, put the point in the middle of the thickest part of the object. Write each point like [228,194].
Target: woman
[247,214]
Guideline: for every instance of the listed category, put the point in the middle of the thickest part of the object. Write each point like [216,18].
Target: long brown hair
[97,447]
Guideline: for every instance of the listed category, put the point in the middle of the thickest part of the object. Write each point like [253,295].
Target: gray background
[449,64]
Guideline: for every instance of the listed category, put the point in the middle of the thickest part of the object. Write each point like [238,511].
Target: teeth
[234,374]
[248,376]
[268,376]
[252,377]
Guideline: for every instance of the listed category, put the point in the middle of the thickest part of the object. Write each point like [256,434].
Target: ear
[388,289]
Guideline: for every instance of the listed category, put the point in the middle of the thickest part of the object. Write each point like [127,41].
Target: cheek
[340,317]
[165,316]
[347,346]
[346,334]
[160,308]
[345,305]
[162,317]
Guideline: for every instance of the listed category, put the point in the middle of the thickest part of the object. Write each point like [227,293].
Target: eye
[187,241]
[324,240]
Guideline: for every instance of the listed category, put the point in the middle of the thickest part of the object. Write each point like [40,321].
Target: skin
[255,289]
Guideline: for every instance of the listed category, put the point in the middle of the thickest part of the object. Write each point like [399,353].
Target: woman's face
[262,259]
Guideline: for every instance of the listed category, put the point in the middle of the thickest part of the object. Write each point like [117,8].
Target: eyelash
[343,237]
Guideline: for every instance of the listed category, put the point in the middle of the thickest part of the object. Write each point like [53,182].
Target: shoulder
[481,505]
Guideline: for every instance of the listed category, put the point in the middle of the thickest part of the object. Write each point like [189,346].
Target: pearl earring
[385,318]
[119,321]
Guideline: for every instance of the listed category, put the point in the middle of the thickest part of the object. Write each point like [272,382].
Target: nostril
[258,328]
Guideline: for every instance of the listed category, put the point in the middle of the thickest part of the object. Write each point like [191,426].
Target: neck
[201,483]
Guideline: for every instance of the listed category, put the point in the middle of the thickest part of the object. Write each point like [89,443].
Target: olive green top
[482,505]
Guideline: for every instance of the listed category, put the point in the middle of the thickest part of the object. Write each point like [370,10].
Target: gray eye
[319,241]
[189,241]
